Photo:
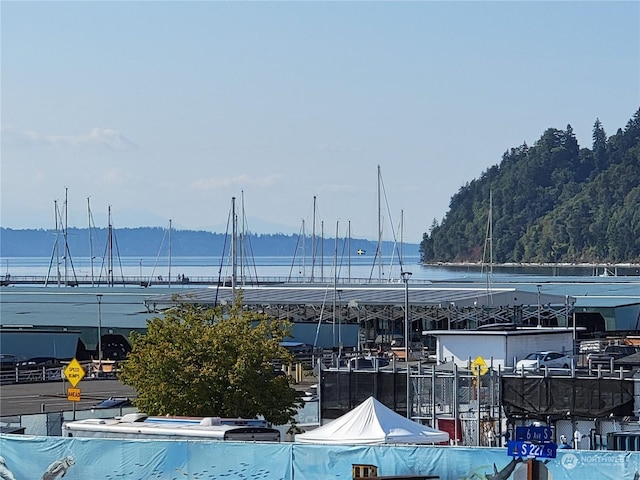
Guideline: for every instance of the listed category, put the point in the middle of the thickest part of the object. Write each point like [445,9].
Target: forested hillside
[154,241]
[551,202]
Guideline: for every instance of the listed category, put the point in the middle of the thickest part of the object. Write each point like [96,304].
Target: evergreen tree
[599,145]
[552,202]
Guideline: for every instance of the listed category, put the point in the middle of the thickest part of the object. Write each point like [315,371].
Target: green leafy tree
[202,361]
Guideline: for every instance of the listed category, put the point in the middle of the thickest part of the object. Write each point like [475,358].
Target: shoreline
[532,265]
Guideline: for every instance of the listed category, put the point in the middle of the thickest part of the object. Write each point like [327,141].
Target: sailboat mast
[234,233]
[313,239]
[304,252]
[57,213]
[349,250]
[401,241]
[379,252]
[109,250]
[244,264]
[488,245]
[169,274]
[241,248]
[335,257]
[491,233]
[335,289]
[54,253]
[64,234]
[490,278]
[322,250]
[90,238]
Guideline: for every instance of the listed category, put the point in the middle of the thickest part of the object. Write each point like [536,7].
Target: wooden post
[533,469]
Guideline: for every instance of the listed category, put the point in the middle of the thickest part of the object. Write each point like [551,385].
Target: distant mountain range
[153,241]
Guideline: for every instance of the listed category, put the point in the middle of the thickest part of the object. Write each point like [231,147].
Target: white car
[537,360]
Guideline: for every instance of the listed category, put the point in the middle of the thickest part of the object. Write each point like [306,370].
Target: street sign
[73,394]
[74,372]
[479,366]
[532,433]
[517,448]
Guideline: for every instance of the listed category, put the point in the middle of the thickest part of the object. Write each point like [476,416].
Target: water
[294,268]
[286,267]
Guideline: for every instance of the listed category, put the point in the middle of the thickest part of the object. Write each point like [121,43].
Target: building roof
[505,333]
[392,294]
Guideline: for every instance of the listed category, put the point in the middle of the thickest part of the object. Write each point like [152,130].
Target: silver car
[549,359]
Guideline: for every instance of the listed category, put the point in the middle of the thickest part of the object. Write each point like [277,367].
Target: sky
[165,111]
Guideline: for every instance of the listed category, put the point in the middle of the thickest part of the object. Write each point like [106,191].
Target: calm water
[281,267]
[300,268]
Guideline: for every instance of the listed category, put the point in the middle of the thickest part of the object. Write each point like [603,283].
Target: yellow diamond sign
[479,366]
[74,372]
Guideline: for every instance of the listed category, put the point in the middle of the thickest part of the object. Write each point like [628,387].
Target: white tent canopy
[372,423]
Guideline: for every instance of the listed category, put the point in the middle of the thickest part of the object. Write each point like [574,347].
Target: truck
[610,354]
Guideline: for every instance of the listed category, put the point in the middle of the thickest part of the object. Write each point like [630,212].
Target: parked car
[610,352]
[368,363]
[113,402]
[363,363]
[549,359]
[7,361]
[36,362]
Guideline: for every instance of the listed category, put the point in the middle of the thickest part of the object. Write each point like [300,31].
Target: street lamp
[99,296]
[405,279]
[539,305]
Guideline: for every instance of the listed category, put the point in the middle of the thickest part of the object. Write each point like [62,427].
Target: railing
[49,373]
[160,281]
[30,375]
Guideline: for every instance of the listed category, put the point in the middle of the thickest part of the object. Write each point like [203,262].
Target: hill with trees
[152,241]
[550,202]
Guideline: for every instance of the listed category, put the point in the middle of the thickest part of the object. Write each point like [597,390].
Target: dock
[158,281]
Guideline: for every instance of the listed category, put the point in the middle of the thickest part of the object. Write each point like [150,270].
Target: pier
[193,281]
[135,280]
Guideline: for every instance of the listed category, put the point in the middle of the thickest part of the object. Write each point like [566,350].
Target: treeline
[154,241]
[550,202]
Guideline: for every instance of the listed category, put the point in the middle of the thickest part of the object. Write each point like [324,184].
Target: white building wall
[460,349]
[498,349]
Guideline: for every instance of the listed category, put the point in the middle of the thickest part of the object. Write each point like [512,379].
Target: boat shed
[366,312]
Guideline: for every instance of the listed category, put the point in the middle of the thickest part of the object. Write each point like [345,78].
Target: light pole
[99,296]
[405,279]
[339,323]
[539,305]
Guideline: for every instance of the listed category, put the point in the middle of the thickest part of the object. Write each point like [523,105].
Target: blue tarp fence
[49,458]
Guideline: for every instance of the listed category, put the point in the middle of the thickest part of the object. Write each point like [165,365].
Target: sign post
[478,368]
[532,442]
[74,373]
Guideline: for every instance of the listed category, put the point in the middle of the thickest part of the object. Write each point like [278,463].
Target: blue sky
[166,110]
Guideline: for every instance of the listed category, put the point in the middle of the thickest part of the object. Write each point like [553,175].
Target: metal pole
[99,330]
[405,279]
[576,350]
[538,305]
[455,404]
[479,416]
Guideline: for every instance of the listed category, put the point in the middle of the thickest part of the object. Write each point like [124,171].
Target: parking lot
[30,398]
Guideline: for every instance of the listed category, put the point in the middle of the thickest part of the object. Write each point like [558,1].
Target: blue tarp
[48,458]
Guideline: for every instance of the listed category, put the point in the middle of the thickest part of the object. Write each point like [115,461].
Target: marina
[351,315]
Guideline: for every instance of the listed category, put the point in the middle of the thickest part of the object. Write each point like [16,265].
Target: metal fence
[30,375]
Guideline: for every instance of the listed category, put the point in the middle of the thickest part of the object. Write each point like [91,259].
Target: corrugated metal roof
[377,295]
